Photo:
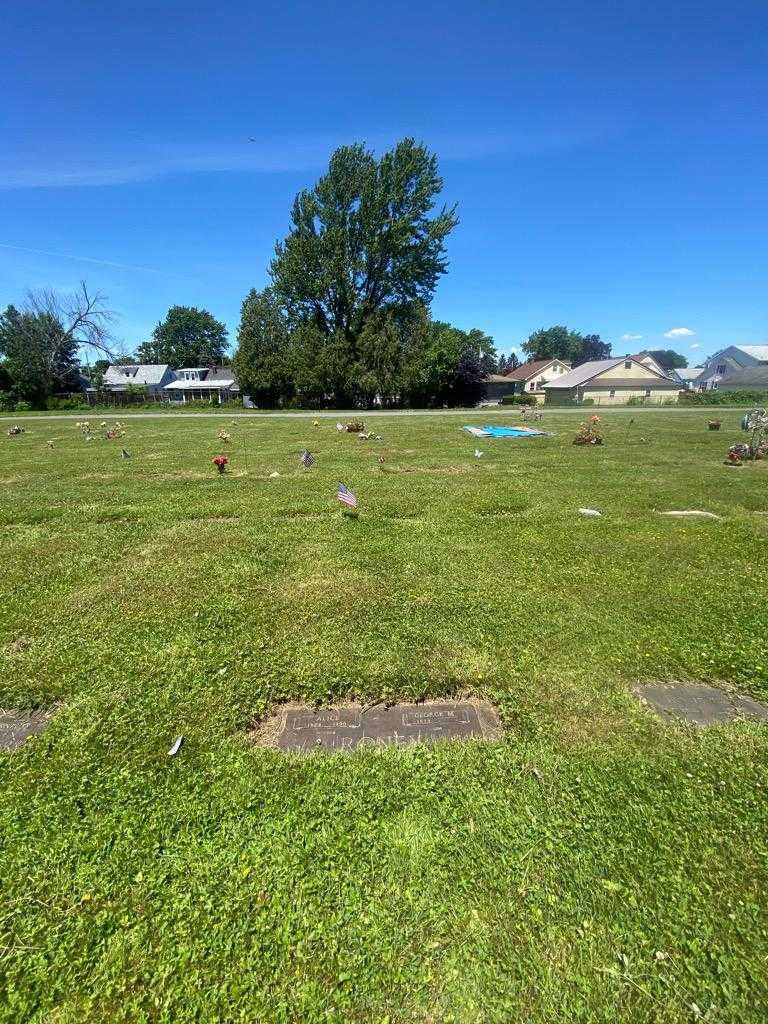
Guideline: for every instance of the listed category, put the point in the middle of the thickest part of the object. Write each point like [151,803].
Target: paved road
[340,414]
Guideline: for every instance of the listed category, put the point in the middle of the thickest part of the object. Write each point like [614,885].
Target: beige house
[647,360]
[612,382]
[529,378]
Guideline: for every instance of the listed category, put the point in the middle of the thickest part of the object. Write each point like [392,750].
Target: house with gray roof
[731,360]
[612,382]
[150,377]
[215,384]
[688,376]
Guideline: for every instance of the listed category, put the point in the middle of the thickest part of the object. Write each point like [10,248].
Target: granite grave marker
[350,726]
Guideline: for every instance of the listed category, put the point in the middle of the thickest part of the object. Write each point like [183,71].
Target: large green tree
[507,364]
[364,239]
[483,346]
[554,343]
[262,361]
[186,337]
[561,343]
[381,361]
[593,347]
[39,357]
[446,370]
[668,359]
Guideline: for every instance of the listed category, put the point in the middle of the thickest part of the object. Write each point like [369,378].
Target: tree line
[345,321]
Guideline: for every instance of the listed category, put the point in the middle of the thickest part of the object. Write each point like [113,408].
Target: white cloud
[695,345]
[679,332]
[631,337]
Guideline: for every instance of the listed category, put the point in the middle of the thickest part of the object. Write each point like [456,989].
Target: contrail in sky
[82,259]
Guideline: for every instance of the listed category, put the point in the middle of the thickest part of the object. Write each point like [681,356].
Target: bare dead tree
[84,317]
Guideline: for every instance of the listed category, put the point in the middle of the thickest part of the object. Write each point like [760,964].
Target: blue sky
[609,159]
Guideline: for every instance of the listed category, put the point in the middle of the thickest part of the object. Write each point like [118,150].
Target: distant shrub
[7,401]
[518,400]
[635,400]
[588,401]
[22,407]
[199,405]
[724,398]
[54,403]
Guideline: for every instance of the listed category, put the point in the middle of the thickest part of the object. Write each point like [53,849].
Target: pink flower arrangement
[220,462]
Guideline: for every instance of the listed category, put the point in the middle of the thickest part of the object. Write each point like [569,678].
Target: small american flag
[346,497]
[306,459]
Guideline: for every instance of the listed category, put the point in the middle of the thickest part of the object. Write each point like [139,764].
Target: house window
[532,386]
[627,364]
[612,393]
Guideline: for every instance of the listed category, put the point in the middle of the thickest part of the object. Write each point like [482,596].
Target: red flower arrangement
[589,433]
[220,462]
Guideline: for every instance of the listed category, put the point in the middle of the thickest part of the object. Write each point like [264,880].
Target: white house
[689,377]
[729,361]
[210,384]
[531,377]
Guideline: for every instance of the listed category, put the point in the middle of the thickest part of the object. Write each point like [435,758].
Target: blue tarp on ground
[513,432]
[506,432]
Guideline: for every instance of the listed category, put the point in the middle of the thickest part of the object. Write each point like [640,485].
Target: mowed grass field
[594,865]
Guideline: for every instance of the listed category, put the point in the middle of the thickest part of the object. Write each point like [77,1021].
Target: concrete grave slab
[699,704]
[17,726]
[303,729]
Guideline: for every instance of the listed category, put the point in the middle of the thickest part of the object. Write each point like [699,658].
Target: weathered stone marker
[699,704]
[344,728]
[17,726]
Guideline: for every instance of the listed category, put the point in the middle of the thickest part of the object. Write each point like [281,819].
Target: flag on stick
[306,459]
[346,497]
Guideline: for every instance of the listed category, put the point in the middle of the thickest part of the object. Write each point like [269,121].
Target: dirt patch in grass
[290,514]
[504,512]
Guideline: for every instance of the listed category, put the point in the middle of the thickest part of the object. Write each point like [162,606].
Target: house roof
[656,382]
[138,373]
[594,368]
[584,373]
[209,377]
[759,352]
[689,372]
[527,370]
[211,385]
[222,373]
[498,378]
[749,379]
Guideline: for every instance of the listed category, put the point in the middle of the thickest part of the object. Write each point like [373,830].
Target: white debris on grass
[589,512]
[478,453]
[691,514]
[176,746]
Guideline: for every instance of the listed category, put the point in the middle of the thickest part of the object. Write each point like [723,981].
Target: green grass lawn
[594,865]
